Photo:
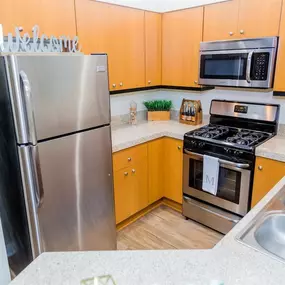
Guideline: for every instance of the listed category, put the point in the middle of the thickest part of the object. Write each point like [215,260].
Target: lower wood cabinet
[146,173]
[266,174]
[173,157]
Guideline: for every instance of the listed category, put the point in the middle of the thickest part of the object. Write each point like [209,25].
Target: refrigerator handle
[29,108]
[32,195]
[38,176]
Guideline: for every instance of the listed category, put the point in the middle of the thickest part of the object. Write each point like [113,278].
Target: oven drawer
[212,217]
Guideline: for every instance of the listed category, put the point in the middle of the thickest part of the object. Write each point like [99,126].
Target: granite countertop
[229,261]
[273,149]
[127,136]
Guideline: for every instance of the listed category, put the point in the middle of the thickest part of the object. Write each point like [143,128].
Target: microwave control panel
[259,68]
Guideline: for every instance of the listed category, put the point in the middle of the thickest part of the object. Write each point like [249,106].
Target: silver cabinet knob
[133,171]
[126,173]
[114,85]
[241,32]
[121,83]
[21,29]
[231,33]
[196,82]
[179,147]
[149,82]
[129,159]
[260,167]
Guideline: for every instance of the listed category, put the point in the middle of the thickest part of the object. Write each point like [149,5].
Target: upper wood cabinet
[221,21]
[181,37]
[259,18]
[267,173]
[119,32]
[242,19]
[153,48]
[53,17]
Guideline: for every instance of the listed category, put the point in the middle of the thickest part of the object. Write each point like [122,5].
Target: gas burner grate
[246,137]
[211,132]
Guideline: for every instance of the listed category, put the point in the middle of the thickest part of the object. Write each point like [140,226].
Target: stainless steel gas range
[235,130]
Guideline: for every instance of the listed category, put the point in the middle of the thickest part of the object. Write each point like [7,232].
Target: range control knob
[201,144]
[227,150]
[194,143]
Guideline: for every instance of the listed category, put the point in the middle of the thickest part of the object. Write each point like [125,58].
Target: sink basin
[270,235]
[266,232]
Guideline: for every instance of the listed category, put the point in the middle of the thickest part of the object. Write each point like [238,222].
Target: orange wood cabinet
[173,158]
[242,19]
[279,83]
[153,48]
[53,17]
[267,173]
[181,37]
[119,32]
[156,169]
[221,21]
[130,181]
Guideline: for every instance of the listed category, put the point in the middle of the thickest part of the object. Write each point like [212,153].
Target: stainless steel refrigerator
[56,181]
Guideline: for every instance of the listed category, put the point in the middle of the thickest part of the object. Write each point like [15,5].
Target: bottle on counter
[184,112]
[188,116]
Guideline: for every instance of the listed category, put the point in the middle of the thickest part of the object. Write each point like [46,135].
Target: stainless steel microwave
[238,63]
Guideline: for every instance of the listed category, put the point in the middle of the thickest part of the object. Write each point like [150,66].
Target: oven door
[237,68]
[233,184]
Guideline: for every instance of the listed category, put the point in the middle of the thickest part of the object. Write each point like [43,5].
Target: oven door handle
[221,161]
[248,66]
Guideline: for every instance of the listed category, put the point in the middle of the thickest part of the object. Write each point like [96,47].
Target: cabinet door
[279,83]
[221,21]
[139,175]
[155,170]
[53,17]
[123,188]
[153,48]
[181,37]
[267,173]
[259,18]
[119,32]
[173,169]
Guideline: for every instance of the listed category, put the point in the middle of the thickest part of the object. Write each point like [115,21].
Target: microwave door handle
[248,66]
[29,109]
[221,161]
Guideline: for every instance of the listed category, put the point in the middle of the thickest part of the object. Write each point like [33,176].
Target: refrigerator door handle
[29,108]
[32,196]
[38,177]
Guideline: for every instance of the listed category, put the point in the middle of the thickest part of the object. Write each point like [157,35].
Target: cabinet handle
[126,173]
[121,83]
[149,82]
[133,171]
[231,33]
[179,147]
[196,82]
[241,32]
[114,85]
[129,159]
[260,167]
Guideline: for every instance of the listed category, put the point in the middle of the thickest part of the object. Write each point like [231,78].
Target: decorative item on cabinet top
[36,44]
[158,110]
[191,112]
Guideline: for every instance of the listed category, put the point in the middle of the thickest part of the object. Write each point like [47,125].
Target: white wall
[4,268]
[161,6]
[120,104]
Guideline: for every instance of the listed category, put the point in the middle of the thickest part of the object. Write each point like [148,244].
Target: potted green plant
[158,110]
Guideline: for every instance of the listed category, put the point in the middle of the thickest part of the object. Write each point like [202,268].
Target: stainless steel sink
[266,232]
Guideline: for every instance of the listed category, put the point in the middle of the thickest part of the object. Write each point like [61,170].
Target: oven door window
[229,184]
[224,66]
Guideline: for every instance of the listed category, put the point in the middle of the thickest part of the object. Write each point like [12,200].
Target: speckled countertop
[230,261]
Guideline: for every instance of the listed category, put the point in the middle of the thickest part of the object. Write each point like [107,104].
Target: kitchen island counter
[229,261]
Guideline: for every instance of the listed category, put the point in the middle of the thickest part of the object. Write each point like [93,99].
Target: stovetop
[230,136]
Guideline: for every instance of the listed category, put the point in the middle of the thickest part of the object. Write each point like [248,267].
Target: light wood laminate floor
[164,228]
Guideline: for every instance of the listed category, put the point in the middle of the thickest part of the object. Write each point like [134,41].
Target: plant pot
[158,116]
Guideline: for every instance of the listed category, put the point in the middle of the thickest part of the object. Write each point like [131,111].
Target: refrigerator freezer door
[64,93]
[77,209]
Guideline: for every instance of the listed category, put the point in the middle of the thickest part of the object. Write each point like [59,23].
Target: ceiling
[161,6]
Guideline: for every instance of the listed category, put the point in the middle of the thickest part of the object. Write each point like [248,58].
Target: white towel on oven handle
[211,167]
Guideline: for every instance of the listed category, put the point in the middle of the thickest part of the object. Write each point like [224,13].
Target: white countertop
[273,149]
[229,261]
[127,136]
